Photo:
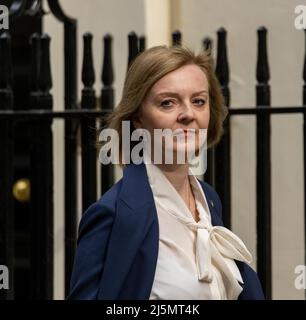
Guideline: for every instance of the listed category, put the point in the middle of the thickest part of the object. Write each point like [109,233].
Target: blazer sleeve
[94,233]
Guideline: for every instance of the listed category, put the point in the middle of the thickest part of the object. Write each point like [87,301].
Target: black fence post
[36,271]
[176,38]
[207,45]
[263,166]
[107,98]
[71,128]
[7,247]
[133,48]
[222,150]
[142,43]
[42,234]
[88,128]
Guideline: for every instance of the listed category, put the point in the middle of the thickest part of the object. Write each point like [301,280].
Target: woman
[157,233]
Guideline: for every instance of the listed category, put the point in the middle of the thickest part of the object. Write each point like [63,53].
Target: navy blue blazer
[118,241]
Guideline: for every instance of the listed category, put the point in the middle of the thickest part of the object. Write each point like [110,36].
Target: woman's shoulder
[212,194]
[109,198]
[102,208]
[209,189]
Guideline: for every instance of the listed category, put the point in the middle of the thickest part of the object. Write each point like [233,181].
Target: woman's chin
[181,154]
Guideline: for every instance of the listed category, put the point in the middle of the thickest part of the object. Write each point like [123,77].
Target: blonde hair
[150,66]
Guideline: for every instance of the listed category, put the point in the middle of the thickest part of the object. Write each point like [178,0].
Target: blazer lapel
[134,216]
[215,216]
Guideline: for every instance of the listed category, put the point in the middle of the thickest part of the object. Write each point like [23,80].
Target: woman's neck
[177,175]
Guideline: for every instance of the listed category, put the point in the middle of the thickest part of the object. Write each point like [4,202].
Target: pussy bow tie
[213,244]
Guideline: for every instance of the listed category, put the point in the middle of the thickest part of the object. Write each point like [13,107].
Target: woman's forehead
[190,78]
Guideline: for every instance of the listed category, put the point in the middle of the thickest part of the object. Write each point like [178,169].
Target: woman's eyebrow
[167,93]
[200,92]
[174,94]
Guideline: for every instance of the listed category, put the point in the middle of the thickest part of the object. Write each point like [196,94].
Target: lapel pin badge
[212,204]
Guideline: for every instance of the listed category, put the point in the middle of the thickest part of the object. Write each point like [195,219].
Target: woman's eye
[167,103]
[199,102]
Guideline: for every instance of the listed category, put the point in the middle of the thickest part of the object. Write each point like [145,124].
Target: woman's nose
[186,113]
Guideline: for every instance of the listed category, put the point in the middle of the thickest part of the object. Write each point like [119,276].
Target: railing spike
[222,66]
[262,69]
[88,73]
[45,69]
[35,61]
[107,67]
[5,61]
[176,38]
[142,43]
[207,44]
[133,47]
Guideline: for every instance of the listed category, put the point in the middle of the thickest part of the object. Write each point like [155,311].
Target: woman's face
[179,100]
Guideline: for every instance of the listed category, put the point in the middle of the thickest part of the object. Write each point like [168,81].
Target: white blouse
[195,259]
